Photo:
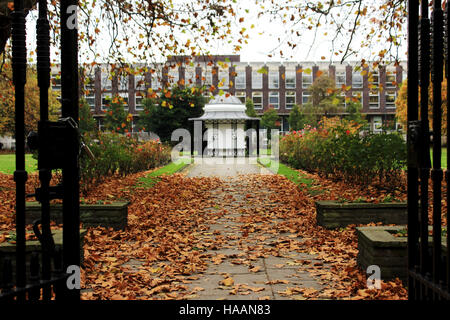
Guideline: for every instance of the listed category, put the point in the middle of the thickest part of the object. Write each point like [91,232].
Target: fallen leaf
[227,282]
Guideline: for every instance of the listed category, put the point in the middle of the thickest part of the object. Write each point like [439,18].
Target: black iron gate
[58,147]
[428,258]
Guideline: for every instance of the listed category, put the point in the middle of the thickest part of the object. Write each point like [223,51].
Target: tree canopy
[7,100]
[250,108]
[125,30]
[401,104]
[163,114]
[270,120]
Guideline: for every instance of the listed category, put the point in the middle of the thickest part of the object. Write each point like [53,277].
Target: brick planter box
[113,215]
[378,246]
[8,250]
[332,214]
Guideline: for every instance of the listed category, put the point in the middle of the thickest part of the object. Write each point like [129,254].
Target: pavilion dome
[224,99]
[222,103]
[223,107]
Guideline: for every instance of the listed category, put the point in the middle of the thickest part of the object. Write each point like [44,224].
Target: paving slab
[252,252]
[225,167]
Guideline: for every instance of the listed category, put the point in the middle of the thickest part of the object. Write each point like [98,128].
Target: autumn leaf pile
[163,222]
[166,232]
[336,248]
[168,241]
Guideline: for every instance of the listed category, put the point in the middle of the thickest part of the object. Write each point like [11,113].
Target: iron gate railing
[428,258]
[58,148]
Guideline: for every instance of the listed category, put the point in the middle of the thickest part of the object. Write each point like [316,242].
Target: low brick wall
[113,215]
[332,214]
[8,250]
[378,246]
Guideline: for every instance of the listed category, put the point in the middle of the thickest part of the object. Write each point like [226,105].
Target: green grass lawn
[152,178]
[8,163]
[291,174]
[443,157]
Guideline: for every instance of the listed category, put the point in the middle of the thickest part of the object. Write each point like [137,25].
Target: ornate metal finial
[19,51]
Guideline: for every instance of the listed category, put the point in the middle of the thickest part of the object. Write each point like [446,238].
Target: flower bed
[122,155]
[339,150]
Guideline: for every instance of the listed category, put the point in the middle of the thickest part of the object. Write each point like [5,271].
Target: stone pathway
[225,167]
[259,258]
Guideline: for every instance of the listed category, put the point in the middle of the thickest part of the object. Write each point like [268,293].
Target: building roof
[223,107]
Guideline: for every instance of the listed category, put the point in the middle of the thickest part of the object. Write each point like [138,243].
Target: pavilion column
[234,131]
[203,142]
[257,138]
[192,139]
[198,137]
[247,138]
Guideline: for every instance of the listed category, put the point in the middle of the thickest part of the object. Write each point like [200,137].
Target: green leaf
[262,70]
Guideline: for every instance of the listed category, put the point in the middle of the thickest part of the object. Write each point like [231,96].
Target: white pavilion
[224,121]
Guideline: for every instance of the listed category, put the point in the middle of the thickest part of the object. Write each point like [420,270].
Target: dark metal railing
[428,260]
[58,146]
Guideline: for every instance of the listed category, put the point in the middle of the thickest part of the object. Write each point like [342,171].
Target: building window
[357,97]
[139,81]
[257,80]
[305,96]
[357,80]
[123,83]
[290,79]
[241,96]
[274,99]
[189,77]
[340,79]
[377,124]
[390,99]
[106,82]
[391,81]
[374,99]
[101,126]
[342,101]
[56,82]
[90,100]
[106,101]
[290,99]
[124,100]
[138,101]
[156,83]
[224,79]
[207,78]
[239,80]
[274,80]
[89,83]
[257,100]
[374,80]
[307,80]
[173,76]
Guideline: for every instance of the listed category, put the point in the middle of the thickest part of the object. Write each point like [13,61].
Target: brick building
[281,85]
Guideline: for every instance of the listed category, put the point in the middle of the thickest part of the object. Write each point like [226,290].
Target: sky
[264,40]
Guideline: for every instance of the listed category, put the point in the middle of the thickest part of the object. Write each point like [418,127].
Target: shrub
[337,149]
[117,154]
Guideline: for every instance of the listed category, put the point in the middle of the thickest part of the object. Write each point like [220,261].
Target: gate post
[19,63]
[69,99]
[412,115]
